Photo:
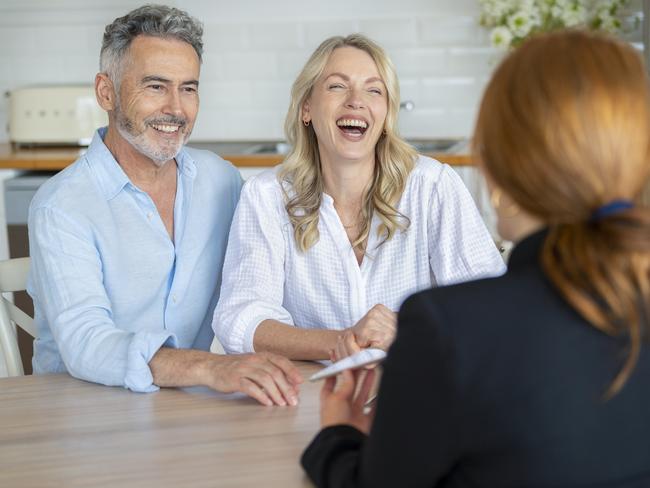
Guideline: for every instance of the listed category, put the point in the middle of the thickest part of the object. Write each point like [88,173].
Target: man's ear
[105,92]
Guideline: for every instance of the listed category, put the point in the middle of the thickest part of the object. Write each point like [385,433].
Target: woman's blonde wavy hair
[564,128]
[301,176]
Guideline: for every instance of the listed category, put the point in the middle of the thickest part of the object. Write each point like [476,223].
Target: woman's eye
[335,86]
[376,91]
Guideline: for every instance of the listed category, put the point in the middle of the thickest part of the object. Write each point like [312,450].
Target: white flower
[514,20]
[574,14]
[493,11]
[520,23]
[501,37]
[545,6]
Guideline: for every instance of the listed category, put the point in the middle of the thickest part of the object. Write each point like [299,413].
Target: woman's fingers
[328,388]
[367,378]
[345,384]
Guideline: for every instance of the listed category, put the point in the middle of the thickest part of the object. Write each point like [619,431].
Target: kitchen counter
[55,158]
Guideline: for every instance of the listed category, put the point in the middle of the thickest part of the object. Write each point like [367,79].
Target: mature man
[127,244]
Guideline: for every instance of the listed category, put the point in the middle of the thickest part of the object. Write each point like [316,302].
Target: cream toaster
[54,115]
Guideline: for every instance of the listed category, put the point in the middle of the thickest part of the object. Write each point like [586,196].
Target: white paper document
[361,358]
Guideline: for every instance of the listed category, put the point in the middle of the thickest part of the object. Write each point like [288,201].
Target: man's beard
[158,153]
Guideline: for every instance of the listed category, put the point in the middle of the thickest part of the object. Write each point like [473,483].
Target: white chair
[13,277]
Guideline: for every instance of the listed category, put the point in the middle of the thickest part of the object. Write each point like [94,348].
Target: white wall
[254,49]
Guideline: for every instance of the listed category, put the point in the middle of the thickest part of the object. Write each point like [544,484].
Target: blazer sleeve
[414,438]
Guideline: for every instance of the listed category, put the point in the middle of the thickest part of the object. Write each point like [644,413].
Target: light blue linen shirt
[109,286]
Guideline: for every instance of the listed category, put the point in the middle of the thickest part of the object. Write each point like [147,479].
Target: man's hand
[266,377]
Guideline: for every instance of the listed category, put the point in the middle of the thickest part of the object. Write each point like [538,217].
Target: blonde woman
[324,248]
[541,377]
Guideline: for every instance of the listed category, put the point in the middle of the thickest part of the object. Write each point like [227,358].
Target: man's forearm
[270,379]
[180,367]
[294,342]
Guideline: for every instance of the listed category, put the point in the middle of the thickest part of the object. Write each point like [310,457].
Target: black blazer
[496,383]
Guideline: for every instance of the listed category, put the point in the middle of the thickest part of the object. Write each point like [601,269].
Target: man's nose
[173,103]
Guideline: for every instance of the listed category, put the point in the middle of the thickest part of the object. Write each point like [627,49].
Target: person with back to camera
[540,377]
[325,247]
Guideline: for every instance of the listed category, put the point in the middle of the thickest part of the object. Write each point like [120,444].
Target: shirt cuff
[142,348]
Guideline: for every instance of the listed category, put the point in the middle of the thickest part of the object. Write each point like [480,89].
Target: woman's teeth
[352,123]
[352,126]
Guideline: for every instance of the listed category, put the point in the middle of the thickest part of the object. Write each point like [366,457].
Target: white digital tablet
[357,360]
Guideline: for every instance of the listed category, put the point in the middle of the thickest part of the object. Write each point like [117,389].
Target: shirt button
[149,215]
[173,298]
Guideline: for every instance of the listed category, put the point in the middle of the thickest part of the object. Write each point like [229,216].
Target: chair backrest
[13,277]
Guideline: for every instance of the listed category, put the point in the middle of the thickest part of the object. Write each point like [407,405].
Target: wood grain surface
[57,431]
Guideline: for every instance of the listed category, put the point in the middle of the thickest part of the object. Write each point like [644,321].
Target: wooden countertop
[52,159]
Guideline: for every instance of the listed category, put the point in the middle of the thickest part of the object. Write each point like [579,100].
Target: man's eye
[156,87]
[190,89]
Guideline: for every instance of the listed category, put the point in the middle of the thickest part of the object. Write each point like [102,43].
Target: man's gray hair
[149,20]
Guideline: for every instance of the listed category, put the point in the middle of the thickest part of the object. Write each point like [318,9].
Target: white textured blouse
[266,276]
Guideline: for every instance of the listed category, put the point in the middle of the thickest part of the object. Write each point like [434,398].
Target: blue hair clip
[611,208]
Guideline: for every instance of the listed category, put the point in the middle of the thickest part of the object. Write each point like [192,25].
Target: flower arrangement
[512,21]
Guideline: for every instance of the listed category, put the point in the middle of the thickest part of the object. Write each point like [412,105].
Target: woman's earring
[495,199]
[305,122]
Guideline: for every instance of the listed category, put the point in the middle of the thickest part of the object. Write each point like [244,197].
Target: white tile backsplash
[391,32]
[245,65]
[271,94]
[218,95]
[449,92]
[316,32]
[274,35]
[420,62]
[449,31]
[224,37]
[255,48]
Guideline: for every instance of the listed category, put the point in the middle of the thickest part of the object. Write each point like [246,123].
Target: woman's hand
[376,328]
[339,405]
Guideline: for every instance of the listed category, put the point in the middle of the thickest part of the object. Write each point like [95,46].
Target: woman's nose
[354,100]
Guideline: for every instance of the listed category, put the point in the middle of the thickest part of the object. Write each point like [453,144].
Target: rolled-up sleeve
[460,246]
[66,276]
[252,289]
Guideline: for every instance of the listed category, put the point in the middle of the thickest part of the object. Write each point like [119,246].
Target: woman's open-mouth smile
[352,129]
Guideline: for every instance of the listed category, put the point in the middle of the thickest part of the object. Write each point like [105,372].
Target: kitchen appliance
[54,115]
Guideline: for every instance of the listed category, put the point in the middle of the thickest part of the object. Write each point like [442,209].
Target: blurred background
[253,51]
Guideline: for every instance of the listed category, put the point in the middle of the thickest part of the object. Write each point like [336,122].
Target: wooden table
[57,431]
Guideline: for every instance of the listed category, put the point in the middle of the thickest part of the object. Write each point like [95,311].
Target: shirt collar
[110,175]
